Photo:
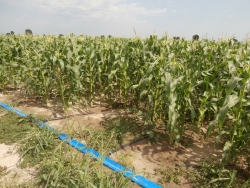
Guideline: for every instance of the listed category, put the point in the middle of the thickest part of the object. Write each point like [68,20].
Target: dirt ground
[145,158]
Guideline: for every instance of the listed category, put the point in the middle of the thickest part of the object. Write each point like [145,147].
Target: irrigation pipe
[125,145]
[128,173]
[199,166]
[64,117]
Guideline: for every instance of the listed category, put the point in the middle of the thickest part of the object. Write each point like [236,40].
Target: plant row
[174,84]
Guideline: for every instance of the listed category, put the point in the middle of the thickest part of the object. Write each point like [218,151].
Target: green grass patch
[13,128]
[58,164]
[211,173]
[170,174]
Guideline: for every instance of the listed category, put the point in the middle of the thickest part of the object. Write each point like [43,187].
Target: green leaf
[227,146]
[144,81]
[174,82]
[193,113]
[14,64]
[91,184]
[231,67]
[75,69]
[218,179]
[150,98]
[233,175]
[219,136]
[111,75]
[134,86]
[222,115]
[232,83]
[211,127]
[231,100]
[61,63]
[139,113]
[173,116]
[173,98]
[44,176]
[207,72]
[143,93]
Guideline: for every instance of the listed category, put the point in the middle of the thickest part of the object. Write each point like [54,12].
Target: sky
[209,19]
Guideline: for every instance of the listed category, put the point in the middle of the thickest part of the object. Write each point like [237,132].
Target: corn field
[175,85]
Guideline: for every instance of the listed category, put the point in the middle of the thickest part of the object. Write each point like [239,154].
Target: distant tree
[7,34]
[28,32]
[60,35]
[102,36]
[176,38]
[195,37]
[12,32]
[109,36]
[235,40]
[72,34]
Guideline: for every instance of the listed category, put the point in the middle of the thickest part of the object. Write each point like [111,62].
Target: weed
[125,159]
[58,164]
[3,170]
[67,168]
[212,174]
[100,140]
[170,174]
[37,146]
[13,128]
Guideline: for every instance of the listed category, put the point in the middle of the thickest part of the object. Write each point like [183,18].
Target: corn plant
[176,84]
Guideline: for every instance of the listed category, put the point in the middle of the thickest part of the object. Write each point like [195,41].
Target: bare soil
[142,157]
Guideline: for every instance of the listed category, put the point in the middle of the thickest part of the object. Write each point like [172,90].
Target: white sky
[183,18]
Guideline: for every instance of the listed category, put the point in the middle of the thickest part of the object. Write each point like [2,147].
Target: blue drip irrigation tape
[140,180]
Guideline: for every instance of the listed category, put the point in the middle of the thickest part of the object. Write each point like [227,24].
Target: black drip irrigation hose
[125,145]
[64,117]
[199,166]
[128,173]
